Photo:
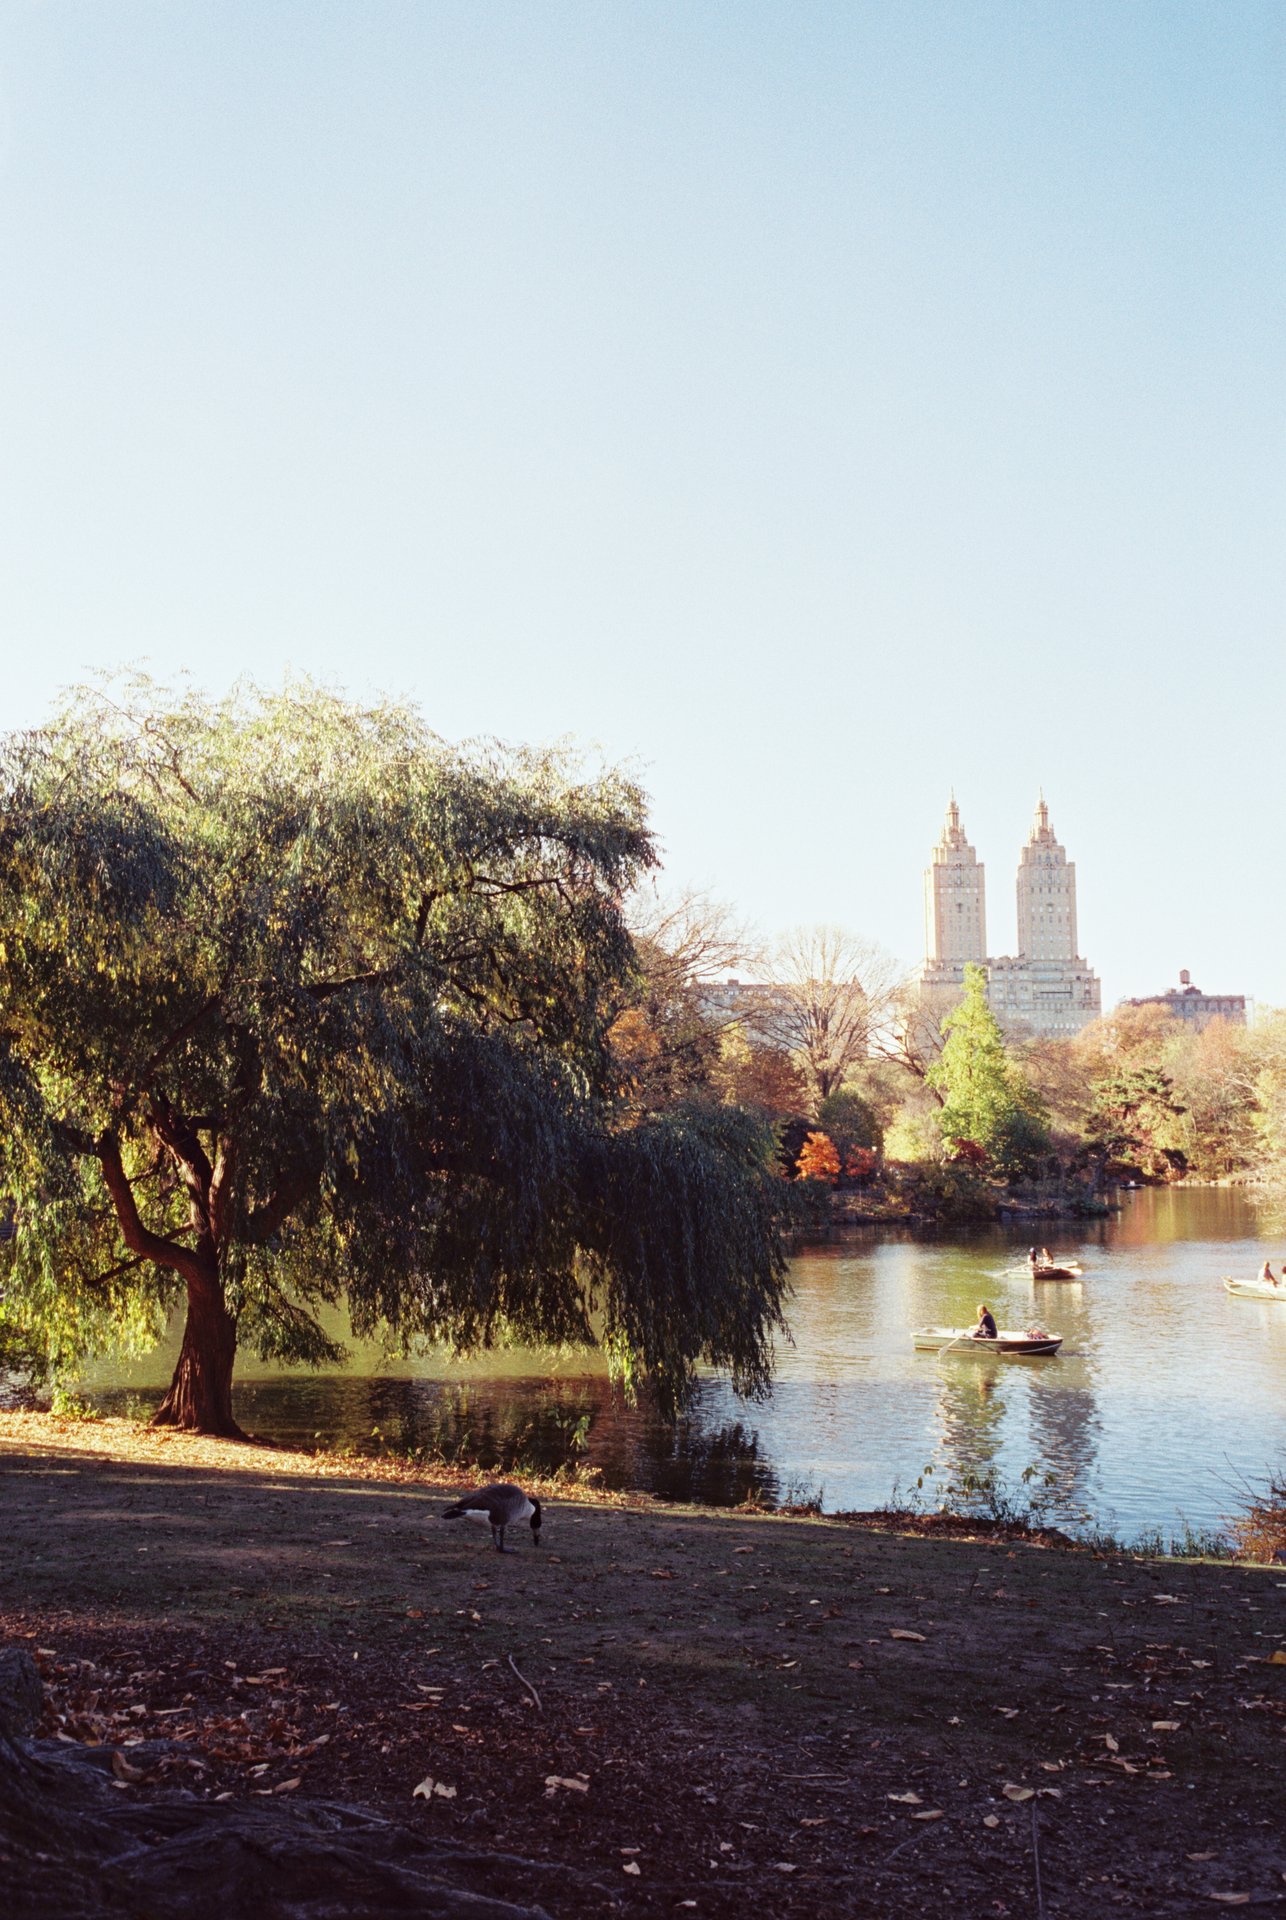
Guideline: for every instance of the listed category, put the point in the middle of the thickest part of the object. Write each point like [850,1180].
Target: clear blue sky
[822,405]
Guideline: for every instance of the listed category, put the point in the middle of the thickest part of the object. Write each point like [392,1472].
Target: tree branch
[140,1239]
[268,1220]
[179,1035]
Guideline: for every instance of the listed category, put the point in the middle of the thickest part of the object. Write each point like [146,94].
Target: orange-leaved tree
[818,1159]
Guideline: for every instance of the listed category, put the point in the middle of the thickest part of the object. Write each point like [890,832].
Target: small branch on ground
[526,1683]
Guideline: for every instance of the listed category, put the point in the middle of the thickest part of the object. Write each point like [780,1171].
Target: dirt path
[734,1712]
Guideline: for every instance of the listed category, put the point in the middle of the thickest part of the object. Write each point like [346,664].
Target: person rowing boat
[986,1327]
[1267,1275]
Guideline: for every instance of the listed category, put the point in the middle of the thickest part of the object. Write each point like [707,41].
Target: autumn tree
[835,999]
[300,1006]
[666,1034]
[1269,1062]
[763,1078]
[819,1160]
[985,1099]
[1215,1073]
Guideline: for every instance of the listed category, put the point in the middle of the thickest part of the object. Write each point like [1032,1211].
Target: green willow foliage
[301,1006]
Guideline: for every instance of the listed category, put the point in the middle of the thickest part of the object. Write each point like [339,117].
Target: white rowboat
[961,1340]
[1255,1289]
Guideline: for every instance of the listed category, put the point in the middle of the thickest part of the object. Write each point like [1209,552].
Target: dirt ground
[707,1712]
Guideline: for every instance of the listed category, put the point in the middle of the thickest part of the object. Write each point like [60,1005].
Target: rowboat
[1254,1289]
[1056,1273]
[961,1340]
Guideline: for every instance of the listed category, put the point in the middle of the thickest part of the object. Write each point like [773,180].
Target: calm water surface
[1166,1402]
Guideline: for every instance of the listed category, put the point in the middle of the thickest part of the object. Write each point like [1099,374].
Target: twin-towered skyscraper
[1046,989]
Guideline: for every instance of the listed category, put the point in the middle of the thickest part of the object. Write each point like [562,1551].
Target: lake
[1165,1406]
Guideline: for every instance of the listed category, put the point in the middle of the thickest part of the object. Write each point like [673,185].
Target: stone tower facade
[1046,990]
[1046,895]
[955,918]
[955,906]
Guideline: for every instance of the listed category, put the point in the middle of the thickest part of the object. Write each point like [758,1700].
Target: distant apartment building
[1045,990]
[1187,1002]
[762,1012]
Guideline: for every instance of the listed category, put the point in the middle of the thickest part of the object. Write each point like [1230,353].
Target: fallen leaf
[930,1813]
[553,1781]
[429,1788]
[1016,1793]
[990,1820]
[124,1771]
[905,1799]
[1165,1726]
[1230,1899]
[1112,1744]
[631,1866]
[904,1633]
[785,1866]
[288,1786]
[743,1549]
[1275,1659]
[1202,1856]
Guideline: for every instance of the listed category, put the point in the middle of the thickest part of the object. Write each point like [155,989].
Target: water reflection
[971,1417]
[578,1426]
[1165,1395]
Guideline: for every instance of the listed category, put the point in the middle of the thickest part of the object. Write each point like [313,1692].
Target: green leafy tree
[300,1007]
[986,1102]
[1131,1112]
[851,1121]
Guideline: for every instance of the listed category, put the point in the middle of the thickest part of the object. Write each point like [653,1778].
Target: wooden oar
[954,1343]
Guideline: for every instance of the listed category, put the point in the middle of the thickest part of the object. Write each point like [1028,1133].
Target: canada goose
[502,1506]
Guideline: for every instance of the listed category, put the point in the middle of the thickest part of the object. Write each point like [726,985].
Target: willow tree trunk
[200,1394]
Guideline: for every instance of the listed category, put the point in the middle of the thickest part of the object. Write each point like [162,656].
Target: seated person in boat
[1266,1273]
[1033,1258]
[1046,1257]
[986,1327]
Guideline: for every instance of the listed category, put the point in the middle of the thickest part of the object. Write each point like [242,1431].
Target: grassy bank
[798,1713]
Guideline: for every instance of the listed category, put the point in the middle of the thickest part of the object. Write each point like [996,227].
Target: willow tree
[300,1006]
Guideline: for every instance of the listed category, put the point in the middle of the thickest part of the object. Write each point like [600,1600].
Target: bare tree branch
[835,1000]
